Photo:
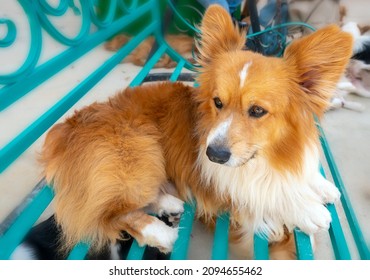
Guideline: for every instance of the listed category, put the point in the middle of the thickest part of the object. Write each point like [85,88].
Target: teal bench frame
[31,74]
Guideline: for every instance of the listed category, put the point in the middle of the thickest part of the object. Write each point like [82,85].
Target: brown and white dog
[244,141]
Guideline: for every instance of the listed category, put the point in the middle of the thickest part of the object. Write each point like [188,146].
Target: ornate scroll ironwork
[40,14]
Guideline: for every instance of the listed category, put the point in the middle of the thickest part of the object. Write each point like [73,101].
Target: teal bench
[32,74]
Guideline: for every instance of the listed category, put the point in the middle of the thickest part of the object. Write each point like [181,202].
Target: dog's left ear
[317,62]
[218,35]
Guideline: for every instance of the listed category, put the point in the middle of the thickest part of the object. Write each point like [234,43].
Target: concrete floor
[347,131]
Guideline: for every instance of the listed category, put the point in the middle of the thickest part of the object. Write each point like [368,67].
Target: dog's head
[252,105]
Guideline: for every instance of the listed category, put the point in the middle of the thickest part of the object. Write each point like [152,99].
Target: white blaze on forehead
[220,132]
[244,73]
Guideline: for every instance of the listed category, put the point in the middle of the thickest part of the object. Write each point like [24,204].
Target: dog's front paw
[315,218]
[327,191]
[330,193]
[159,235]
[170,207]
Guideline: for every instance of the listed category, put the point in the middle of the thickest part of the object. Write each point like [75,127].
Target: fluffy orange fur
[111,160]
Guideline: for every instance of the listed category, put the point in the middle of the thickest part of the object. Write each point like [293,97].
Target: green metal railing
[31,74]
[361,245]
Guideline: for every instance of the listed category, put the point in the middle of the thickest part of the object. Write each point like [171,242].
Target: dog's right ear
[318,61]
[218,35]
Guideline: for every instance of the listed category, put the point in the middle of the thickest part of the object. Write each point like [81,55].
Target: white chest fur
[270,199]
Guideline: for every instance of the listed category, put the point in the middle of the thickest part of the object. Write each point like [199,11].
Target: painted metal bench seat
[32,73]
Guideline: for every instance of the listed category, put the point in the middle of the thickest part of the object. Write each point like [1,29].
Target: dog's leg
[360,91]
[286,249]
[148,230]
[346,86]
[337,102]
[281,246]
[283,249]
[355,106]
[340,102]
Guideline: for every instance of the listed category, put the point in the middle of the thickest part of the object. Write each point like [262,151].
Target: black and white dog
[43,243]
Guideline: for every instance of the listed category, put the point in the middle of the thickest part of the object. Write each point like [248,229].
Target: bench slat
[221,237]
[136,251]
[24,222]
[338,241]
[176,73]
[337,237]
[181,247]
[303,245]
[261,250]
[148,66]
[79,252]
[348,209]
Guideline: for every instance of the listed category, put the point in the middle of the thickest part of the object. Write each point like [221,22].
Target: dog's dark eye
[218,103]
[256,111]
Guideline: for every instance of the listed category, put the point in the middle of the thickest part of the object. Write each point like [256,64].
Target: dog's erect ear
[318,61]
[218,34]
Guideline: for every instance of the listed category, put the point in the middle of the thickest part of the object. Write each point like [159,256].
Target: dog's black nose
[218,154]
